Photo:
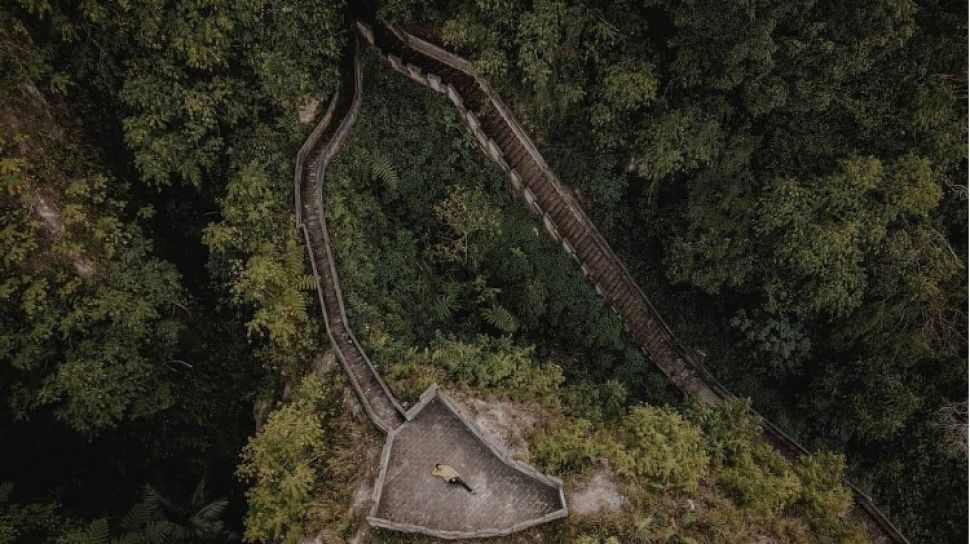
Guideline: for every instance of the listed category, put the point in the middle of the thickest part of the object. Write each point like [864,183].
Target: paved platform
[510,496]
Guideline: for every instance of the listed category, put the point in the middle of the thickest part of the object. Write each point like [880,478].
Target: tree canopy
[785,179]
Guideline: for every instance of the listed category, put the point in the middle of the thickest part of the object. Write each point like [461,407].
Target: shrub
[750,471]
[595,401]
[761,480]
[662,447]
[567,447]
[729,429]
[489,363]
[284,463]
[823,500]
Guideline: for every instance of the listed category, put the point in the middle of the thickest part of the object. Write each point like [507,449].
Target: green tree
[285,462]
[89,313]
[23,522]
[186,74]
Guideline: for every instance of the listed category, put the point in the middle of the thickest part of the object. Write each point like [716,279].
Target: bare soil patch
[503,423]
[600,494]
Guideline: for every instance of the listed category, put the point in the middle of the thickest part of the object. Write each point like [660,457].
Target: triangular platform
[510,495]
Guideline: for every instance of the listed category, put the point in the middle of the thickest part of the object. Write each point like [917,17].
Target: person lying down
[451,476]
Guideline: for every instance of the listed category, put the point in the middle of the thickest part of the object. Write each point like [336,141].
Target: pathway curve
[512,496]
[380,404]
[503,139]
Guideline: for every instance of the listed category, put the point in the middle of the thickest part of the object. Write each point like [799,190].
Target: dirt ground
[599,494]
[503,423]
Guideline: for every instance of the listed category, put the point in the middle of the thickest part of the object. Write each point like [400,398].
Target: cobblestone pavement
[412,495]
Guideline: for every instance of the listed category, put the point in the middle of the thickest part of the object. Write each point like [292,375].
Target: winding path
[380,404]
[504,140]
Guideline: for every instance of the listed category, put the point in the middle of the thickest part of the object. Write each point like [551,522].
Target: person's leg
[459,481]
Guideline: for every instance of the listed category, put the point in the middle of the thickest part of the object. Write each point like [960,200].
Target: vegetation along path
[504,140]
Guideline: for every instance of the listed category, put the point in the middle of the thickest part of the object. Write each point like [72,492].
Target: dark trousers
[459,481]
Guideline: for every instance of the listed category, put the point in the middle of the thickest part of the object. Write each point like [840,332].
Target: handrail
[301,155]
[467,67]
[338,138]
[324,154]
[716,392]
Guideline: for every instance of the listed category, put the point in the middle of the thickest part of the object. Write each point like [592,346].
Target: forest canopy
[787,181]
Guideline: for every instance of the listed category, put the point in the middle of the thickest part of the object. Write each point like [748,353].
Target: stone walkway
[509,495]
[406,497]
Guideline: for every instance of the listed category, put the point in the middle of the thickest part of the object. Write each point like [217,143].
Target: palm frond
[307,283]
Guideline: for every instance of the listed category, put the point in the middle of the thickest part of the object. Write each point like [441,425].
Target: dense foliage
[133,135]
[456,255]
[798,170]
[661,456]
[787,180]
[282,462]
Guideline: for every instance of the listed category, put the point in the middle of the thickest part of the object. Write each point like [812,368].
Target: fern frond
[307,283]
[159,532]
[97,532]
[210,512]
[382,169]
[500,318]
[443,307]
[137,516]
[198,495]
[128,538]
[153,499]
[6,488]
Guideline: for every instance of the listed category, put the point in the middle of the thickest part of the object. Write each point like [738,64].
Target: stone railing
[686,372]
[311,163]
[429,395]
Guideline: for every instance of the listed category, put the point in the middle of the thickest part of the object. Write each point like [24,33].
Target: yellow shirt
[445,472]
